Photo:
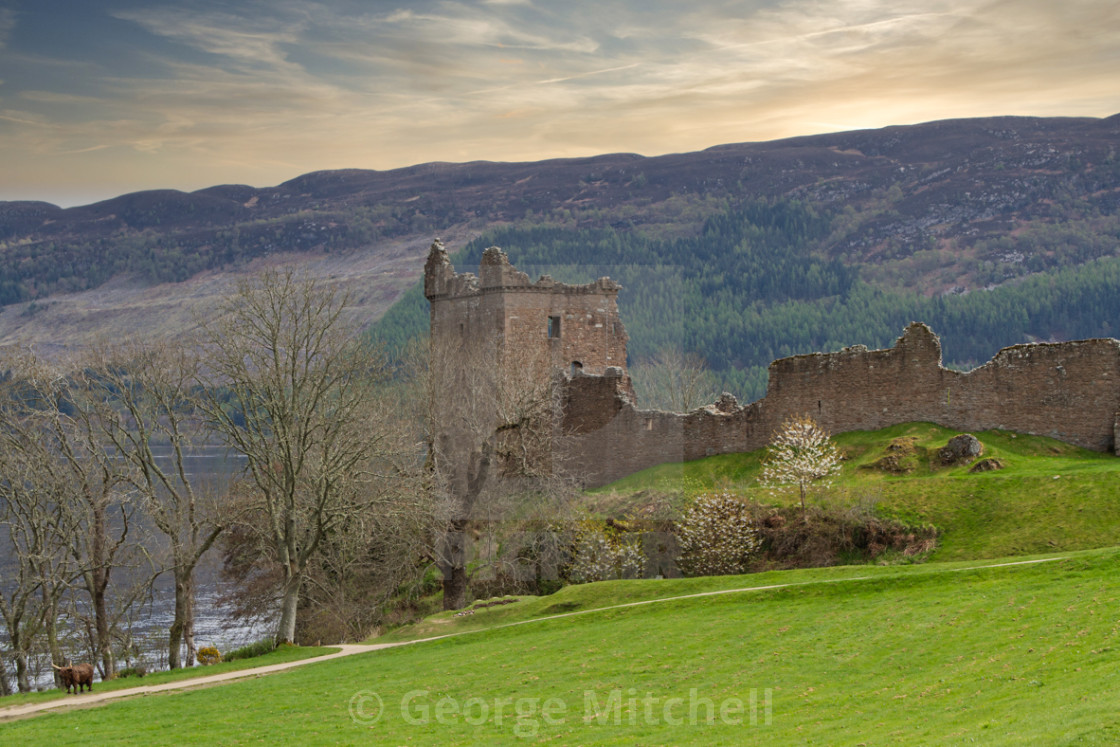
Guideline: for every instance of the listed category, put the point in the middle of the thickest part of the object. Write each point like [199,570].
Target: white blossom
[717,536]
[800,453]
[601,557]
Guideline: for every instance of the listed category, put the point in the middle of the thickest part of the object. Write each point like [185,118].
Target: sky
[103,97]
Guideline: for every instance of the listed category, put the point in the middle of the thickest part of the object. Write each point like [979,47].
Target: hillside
[1048,495]
[931,654]
[755,286]
[949,206]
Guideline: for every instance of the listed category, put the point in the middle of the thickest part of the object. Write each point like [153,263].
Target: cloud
[463,26]
[7,25]
[54,97]
[90,149]
[257,40]
[23,118]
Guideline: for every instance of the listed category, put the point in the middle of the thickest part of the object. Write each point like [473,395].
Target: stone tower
[575,327]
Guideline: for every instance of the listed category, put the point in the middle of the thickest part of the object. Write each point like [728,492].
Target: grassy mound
[932,654]
[1047,495]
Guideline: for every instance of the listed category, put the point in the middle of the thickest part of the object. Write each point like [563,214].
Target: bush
[603,553]
[717,536]
[828,535]
[259,648]
[549,586]
[208,655]
[137,671]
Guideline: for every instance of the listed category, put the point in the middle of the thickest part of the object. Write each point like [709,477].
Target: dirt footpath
[96,698]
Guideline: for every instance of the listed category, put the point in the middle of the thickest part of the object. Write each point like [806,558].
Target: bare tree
[60,431]
[800,454]
[154,427]
[33,566]
[290,387]
[674,381]
[491,415]
[361,565]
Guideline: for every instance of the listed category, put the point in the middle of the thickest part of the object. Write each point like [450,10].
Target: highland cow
[76,676]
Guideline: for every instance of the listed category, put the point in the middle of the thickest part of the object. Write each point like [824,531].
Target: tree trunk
[100,582]
[182,624]
[188,626]
[454,566]
[286,631]
[455,587]
[175,639]
[5,686]
[50,616]
[101,628]
[23,679]
[17,643]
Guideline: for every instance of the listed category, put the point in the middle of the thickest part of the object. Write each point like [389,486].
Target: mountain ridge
[923,207]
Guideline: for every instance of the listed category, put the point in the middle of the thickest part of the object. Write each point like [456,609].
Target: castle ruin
[1069,391]
[576,327]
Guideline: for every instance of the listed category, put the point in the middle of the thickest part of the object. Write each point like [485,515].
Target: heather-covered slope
[941,207]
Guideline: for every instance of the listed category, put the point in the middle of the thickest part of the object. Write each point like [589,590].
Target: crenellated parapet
[495,274]
[576,327]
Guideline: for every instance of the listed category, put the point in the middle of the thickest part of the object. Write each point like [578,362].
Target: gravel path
[88,699]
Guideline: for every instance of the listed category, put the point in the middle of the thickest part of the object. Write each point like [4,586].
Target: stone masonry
[1069,391]
[577,326]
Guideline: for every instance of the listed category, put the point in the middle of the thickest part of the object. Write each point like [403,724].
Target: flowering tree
[800,453]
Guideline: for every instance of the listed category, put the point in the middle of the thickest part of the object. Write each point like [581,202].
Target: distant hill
[925,211]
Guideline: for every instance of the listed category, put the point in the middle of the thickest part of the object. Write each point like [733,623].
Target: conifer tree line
[100,496]
[759,283]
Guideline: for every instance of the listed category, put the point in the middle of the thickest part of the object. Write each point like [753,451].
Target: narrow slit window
[554,328]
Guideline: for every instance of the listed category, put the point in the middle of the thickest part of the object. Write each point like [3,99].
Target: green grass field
[1050,496]
[929,654]
[1023,650]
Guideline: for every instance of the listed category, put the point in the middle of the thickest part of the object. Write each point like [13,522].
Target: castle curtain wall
[1069,391]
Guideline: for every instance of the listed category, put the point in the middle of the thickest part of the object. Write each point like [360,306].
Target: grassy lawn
[1050,496]
[279,656]
[586,598]
[930,654]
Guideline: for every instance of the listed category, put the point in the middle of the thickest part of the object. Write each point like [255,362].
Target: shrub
[548,586]
[830,535]
[208,655]
[602,553]
[137,671]
[259,648]
[717,536]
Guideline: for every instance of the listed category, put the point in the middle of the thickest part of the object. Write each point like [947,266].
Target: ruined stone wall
[1069,391]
